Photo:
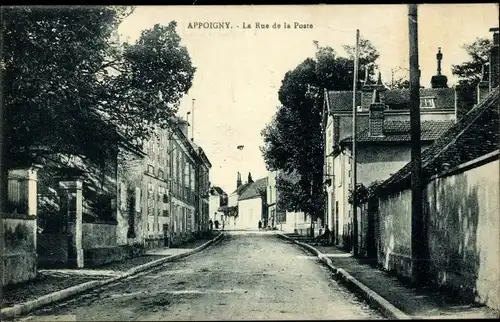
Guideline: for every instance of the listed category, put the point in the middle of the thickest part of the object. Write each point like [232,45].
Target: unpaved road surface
[244,276]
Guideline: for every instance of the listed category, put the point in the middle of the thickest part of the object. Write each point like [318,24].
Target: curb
[27,307]
[387,309]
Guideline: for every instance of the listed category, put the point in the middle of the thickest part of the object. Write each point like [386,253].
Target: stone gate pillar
[70,192]
[22,190]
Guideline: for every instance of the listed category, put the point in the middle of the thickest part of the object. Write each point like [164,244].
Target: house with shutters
[383,139]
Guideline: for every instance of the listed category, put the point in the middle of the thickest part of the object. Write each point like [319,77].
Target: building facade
[203,190]
[383,140]
[218,198]
[184,201]
[159,191]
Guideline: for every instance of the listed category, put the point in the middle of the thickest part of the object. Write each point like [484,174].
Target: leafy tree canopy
[293,140]
[469,72]
[478,51]
[69,83]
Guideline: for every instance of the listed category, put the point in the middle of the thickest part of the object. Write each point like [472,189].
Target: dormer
[428,102]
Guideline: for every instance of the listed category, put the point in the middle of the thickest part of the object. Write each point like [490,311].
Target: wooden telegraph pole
[354,166]
[417,216]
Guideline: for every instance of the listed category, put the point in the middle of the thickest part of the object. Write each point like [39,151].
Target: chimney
[439,80]
[238,180]
[368,88]
[250,180]
[184,126]
[376,118]
[494,60]
[483,87]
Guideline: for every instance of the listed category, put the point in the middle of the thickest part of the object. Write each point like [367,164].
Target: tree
[469,72]
[293,141]
[51,59]
[479,52]
[154,74]
[69,84]
[399,81]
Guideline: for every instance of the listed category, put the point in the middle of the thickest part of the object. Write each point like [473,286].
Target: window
[160,174]
[151,169]
[342,170]
[427,102]
[138,199]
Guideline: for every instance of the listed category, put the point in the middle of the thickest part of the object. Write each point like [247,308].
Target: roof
[400,98]
[217,190]
[241,188]
[253,189]
[395,99]
[473,136]
[399,131]
[342,100]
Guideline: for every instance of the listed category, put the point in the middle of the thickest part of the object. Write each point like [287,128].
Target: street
[245,276]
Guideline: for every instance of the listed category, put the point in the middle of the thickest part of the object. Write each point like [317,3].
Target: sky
[239,71]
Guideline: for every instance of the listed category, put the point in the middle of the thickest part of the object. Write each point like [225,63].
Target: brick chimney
[368,88]
[238,180]
[439,80]
[376,118]
[483,88]
[250,180]
[494,60]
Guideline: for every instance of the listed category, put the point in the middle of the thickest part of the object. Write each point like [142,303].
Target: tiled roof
[399,131]
[399,98]
[253,189]
[473,136]
[241,188]
[342,100]
[396,99]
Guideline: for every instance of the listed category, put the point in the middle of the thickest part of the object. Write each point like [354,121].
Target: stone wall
[464,233]
[96,235]
[19,263]
[394,231]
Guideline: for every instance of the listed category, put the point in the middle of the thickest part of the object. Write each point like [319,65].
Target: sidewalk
[58,280]
[415,303]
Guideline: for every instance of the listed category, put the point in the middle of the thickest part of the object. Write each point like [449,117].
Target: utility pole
[192,120]
[418,236]
[354,167]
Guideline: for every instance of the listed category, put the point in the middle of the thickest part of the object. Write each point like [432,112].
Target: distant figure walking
[211,225]
[260,225]
[216,224]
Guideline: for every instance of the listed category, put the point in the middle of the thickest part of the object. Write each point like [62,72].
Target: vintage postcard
[297,162]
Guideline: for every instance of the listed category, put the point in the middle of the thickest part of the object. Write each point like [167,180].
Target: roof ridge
[480,109]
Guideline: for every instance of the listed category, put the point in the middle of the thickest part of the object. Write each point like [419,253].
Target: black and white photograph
[250,162]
